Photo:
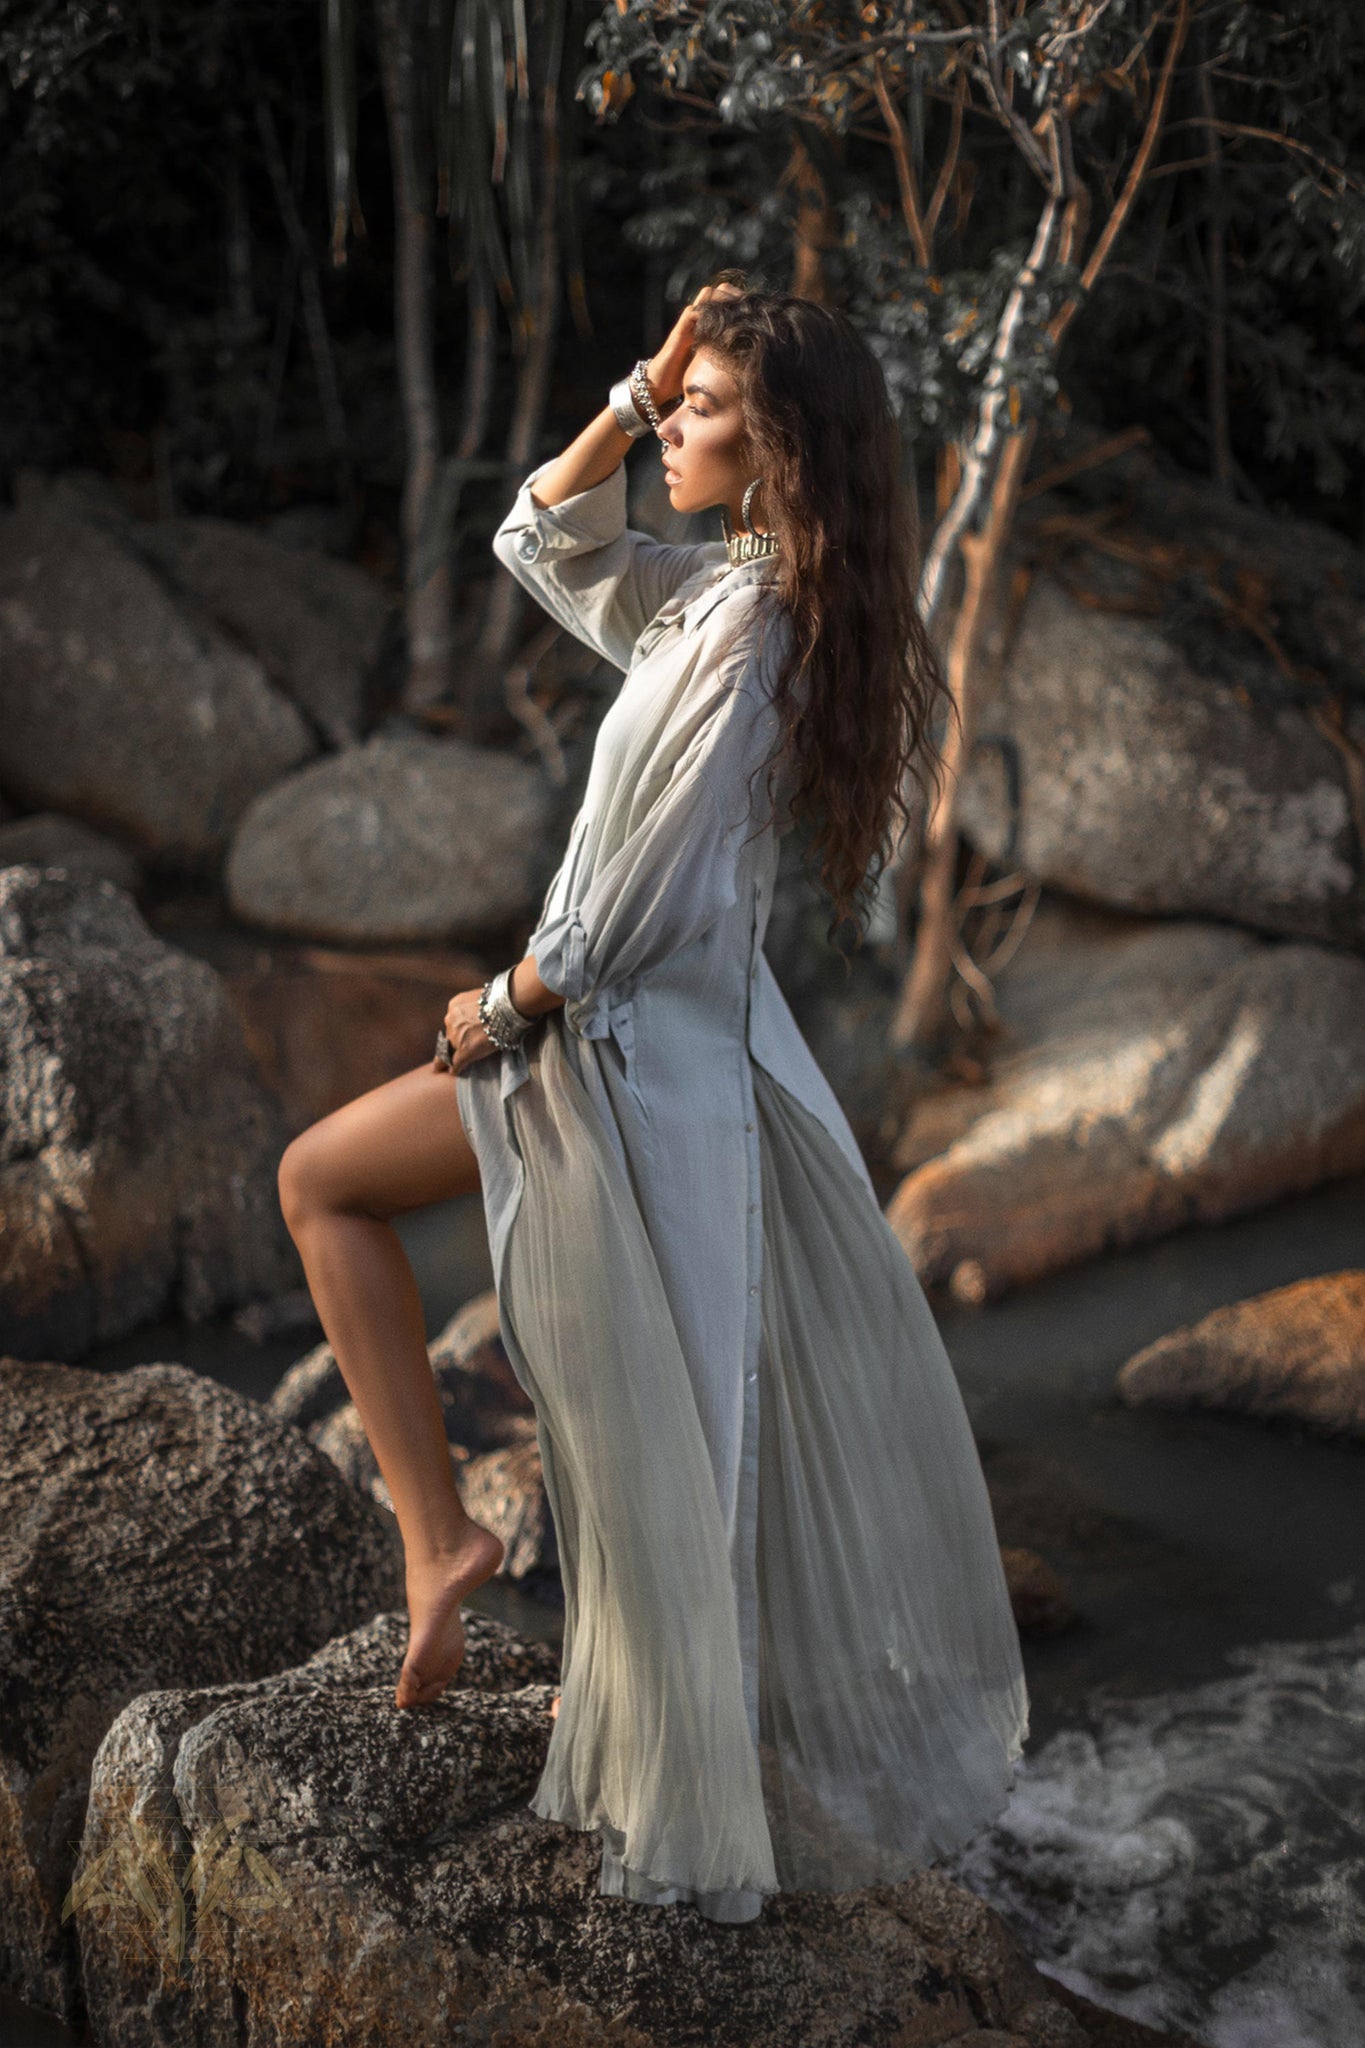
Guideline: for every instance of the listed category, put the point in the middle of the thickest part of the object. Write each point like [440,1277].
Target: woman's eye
[700,415]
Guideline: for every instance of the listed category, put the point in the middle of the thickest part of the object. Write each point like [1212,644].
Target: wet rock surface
[159,1531]
[140,1148]
[1152,1073]
[1295,1354]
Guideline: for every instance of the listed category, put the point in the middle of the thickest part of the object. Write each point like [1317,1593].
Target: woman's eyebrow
[704,389]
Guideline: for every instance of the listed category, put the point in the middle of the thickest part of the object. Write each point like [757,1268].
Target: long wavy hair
[821,432]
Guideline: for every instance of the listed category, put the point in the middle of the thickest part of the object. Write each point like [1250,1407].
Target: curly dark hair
[822,434]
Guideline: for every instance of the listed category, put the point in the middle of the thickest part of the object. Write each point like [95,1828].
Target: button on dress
[789,1660]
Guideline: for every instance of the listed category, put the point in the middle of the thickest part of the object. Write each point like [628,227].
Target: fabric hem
[648,1876]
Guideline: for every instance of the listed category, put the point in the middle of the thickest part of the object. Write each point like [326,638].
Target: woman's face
[702,444]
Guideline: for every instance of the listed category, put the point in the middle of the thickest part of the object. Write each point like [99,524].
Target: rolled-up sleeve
[597,576]
[677,871]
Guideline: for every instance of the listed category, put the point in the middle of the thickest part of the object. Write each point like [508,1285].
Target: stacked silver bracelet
[499,1016]
[634,408]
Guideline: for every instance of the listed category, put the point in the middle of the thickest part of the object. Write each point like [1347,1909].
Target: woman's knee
[401,1146]
[305,1183]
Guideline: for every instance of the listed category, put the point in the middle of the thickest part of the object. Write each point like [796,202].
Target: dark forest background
[170,313]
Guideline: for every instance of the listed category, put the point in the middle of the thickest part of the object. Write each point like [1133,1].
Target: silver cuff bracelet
[627,413]
[499,1015]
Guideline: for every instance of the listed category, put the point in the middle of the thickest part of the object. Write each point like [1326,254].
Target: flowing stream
[1186,1843]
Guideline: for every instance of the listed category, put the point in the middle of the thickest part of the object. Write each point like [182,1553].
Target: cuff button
[528,546]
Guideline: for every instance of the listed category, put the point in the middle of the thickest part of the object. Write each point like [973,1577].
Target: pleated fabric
[652,1739]
[893,1708]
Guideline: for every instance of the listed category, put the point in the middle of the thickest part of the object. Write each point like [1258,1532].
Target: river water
[1186,1841]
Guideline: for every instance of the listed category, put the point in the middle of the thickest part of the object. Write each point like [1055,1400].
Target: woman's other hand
[468,1039]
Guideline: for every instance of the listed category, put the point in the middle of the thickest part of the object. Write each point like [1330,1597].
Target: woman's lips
[671,474]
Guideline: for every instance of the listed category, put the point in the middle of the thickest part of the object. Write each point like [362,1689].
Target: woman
[789,1659]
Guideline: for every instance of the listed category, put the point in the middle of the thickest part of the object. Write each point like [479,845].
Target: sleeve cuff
[589,519]
[558,948]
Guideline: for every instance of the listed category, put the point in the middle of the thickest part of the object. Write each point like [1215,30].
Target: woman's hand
[468,1039]
[666,367]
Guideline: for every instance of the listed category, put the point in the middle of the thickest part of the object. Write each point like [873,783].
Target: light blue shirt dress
[789,1657]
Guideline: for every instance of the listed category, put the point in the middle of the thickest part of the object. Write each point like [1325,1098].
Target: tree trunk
[814,227]
[540,324]
[1220,436]
[426,557]
[989,468]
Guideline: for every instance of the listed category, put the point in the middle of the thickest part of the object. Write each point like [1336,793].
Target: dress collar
[722,580]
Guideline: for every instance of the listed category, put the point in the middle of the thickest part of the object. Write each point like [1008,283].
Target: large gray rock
[314,624]
[1153,1073]
[158,1531]
[1295,1354]
[370,1875]
[124,705]
[403,838]
[1154,700]
[139,1150]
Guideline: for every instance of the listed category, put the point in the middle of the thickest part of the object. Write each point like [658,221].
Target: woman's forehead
[710,377]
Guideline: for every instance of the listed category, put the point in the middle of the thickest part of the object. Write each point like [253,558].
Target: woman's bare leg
[400,1146]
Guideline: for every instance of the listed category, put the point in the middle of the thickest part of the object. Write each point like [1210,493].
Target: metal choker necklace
[746,547]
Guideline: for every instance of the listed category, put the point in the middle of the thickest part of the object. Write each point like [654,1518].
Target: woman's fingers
[464,1029]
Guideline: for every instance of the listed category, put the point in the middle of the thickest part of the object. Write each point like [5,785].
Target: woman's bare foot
[435,1588]
[554,1708]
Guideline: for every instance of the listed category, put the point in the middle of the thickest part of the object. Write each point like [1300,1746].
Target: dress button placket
[747,1515]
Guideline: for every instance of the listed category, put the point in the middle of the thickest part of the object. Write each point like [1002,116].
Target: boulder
[1161,708]
[159,1531]
[125,705]
[1151,1073]
[140,1150]
[48,840]
[1038,1597]
[323,1865]
[315,625]
[405,838]
[325,1025]
[1296,1353]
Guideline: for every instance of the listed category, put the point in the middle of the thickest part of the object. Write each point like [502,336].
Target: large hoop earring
[744,511]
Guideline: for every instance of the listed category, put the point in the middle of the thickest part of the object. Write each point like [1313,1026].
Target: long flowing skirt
[892,1703]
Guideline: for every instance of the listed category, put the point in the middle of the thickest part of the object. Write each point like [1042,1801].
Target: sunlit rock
[1151,1074]
[1296,1352]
